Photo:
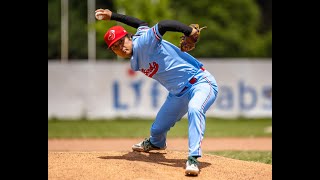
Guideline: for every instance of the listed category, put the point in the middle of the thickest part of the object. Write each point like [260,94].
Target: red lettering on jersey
[152,70]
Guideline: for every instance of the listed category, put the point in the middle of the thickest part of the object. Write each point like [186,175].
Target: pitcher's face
[123,47]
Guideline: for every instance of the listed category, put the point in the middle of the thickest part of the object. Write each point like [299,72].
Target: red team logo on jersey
[152,70]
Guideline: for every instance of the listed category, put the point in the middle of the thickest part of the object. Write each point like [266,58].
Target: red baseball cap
[114,34]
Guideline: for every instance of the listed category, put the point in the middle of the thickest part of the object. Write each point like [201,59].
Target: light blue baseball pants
[195,101]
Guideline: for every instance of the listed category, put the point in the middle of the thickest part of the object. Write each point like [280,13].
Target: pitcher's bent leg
[202,97]
[173,109]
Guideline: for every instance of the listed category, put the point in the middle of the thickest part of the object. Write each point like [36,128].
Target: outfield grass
[124,128]
[63,128]
[255,156]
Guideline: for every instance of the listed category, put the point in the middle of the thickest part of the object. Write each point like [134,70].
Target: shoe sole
[142,150]
[191,173]
[138,149]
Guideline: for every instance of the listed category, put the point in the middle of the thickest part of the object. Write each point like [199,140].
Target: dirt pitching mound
[148,166]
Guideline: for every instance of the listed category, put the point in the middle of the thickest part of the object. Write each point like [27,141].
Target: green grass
[98,128]
[119,128]
[255,156]
[129,128]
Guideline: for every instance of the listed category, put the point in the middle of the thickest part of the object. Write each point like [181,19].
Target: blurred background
[85,79]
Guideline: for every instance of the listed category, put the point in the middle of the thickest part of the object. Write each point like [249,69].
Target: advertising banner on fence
[111,89]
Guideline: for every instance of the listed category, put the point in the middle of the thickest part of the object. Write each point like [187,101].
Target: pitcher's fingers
[99,10]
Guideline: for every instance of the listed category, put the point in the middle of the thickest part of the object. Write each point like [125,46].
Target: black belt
[192,81]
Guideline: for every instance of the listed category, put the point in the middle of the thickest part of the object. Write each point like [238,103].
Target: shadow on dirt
[154,157]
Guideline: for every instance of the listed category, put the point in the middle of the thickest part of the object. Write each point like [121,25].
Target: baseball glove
[187,43]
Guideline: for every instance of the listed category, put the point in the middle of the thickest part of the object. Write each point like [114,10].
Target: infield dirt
[102,159]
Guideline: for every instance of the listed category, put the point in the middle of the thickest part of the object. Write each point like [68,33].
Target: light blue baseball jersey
[161,60]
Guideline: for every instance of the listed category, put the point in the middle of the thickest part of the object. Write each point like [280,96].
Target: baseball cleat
[192,166]
[146,146]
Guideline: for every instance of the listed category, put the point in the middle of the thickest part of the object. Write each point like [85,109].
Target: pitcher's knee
[195,110]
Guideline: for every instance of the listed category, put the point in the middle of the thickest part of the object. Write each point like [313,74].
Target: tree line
[235,28]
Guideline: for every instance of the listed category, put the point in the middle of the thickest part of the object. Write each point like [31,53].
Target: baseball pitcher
[191,88]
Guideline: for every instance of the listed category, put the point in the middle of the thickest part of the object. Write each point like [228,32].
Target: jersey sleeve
[148,37]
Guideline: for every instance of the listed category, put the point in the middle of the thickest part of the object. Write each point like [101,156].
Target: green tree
[54,33]
[77,29]
[235,28]
[232,27]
